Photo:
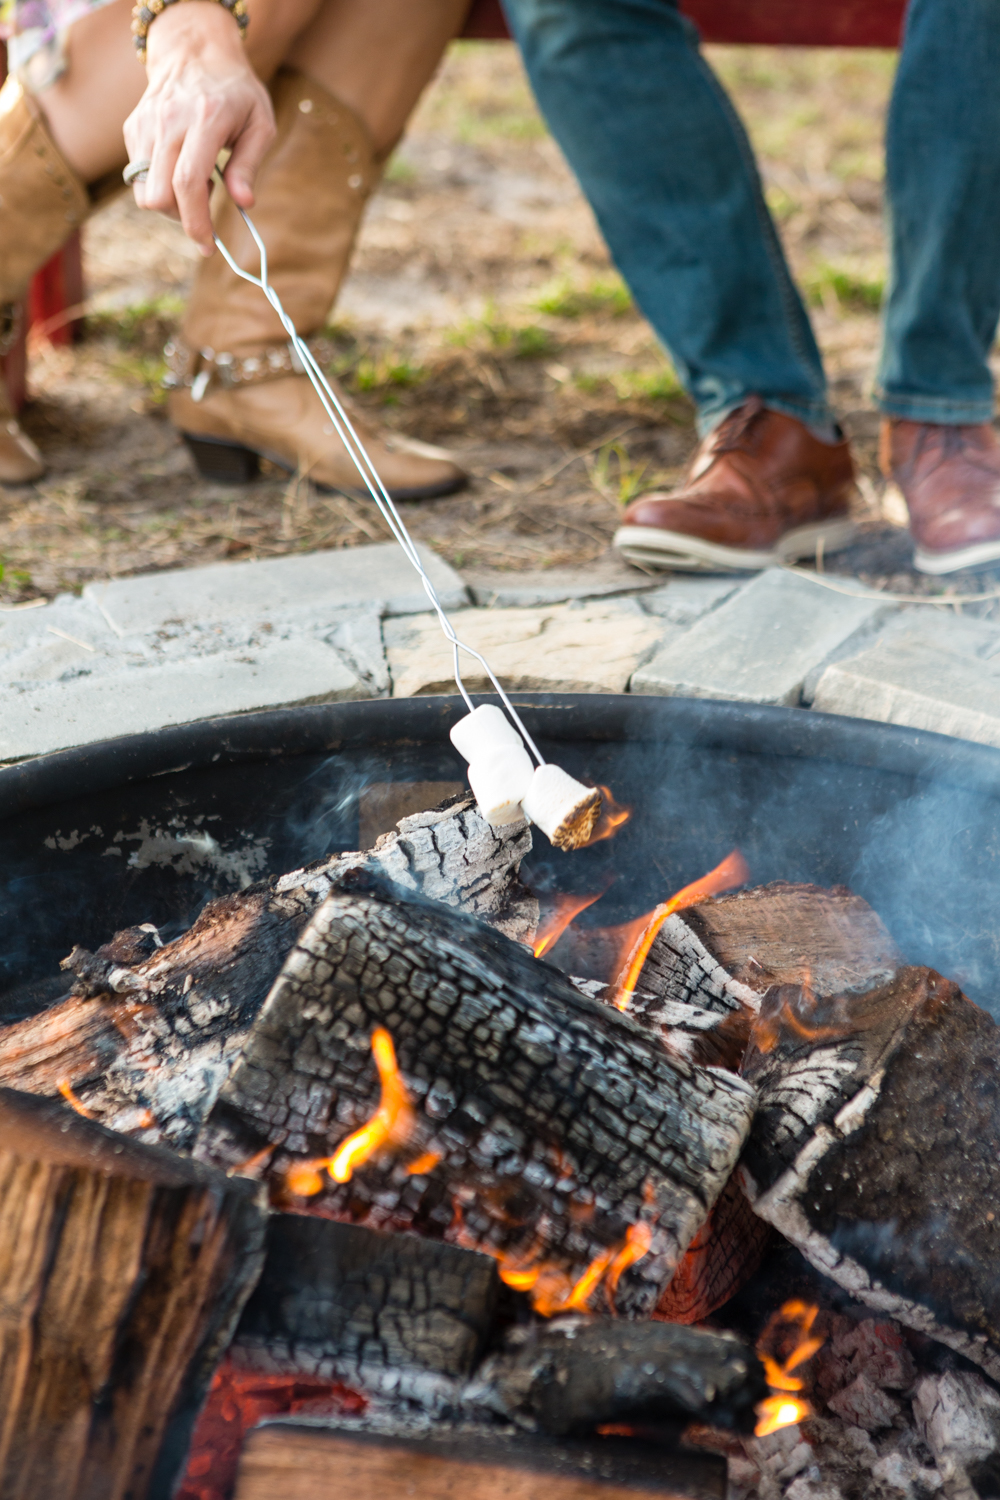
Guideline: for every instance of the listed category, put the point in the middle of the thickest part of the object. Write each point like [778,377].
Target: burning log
[151,1031]
[720,956]
[721,1258]
[695,976]
[381,1312]
[575,1376]
[876,1149]
[521,1119]
[322,1462]
[124,1269]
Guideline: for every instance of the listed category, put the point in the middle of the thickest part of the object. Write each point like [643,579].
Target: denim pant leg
[943,168]
[661,155]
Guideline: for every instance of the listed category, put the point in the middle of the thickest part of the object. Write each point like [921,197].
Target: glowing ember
[390,1125]
[551,1289]
[784,1408]
[71,1099]
[423,1164]
[731,872]
[555,922]
[611,818]
[794,1015]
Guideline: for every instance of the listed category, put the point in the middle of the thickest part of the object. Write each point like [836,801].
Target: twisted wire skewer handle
[344,428]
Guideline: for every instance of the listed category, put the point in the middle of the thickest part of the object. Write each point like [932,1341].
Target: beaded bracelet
[146,12]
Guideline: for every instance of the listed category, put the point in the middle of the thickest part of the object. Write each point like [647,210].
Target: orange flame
[768,1029]
[564,909]
[611,818]
[391,1123]
[552,1290]
[731,872]
[784,1408]
[71,1099]
[425,1163]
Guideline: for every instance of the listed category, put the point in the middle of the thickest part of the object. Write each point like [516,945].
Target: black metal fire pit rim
[287,732]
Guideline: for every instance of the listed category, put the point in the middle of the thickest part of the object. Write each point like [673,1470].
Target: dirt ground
[481,313]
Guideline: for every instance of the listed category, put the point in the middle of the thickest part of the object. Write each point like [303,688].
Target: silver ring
[136,171]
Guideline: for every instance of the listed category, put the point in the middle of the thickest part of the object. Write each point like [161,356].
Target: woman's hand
[202,97]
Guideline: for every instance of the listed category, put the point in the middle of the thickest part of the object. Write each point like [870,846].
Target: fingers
[190,181]
[248,153]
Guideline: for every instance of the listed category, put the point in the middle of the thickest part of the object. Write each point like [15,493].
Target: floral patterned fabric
[34,31]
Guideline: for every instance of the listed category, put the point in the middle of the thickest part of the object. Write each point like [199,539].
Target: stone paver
[377,576]
[566,648]
[907,679]
[534,590]
[687,597]
[89,708]
[759,646]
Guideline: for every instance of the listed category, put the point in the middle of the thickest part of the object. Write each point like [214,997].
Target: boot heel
[221,462]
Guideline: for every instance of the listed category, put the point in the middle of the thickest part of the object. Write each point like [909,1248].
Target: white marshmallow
[561,807]
[483,731]
[499,780]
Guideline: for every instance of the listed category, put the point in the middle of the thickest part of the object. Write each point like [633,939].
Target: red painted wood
[799,23]
[56,295]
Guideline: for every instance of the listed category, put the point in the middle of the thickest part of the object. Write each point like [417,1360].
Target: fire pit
[471,1158]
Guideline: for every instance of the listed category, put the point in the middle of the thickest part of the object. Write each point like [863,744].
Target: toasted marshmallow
[564,809]
[499,780]
[483,731]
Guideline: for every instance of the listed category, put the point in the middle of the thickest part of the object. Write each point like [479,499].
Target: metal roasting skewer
[345,430]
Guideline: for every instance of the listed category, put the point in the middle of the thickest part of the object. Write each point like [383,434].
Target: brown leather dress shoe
[760,490]
[950,480]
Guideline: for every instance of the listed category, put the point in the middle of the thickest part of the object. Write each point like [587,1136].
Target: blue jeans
[670,174]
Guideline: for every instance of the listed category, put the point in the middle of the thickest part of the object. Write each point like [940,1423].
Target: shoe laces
[731,433]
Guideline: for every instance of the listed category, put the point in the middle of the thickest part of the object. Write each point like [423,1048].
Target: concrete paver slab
[759,646]
[90,708]
[351,577]
[594,647]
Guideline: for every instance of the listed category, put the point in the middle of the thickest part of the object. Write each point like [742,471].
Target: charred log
[574,1376]
[876,1149]
[124,1269]
[555,1133]
[341,1302]
[722,954]
[151,1031]
[721,1258]
[321,1463]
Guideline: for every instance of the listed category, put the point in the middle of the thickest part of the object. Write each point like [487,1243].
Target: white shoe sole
[975,556]
[649,547]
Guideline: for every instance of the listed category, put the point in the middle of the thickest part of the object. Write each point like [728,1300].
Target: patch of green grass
[13,577]
[648,385]
[844,288]
[385,372]
[146,370]
[612,472]
[565,299]
[400,172]
[496,332]
[143,325]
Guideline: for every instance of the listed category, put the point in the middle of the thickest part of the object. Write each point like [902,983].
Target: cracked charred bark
[700,990]
[151,1031]
[123,1270]
[574,1376]
[876,1149]
[559,1125]
[392,1312]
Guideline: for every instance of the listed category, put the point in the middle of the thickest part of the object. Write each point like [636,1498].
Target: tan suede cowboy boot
[41,203]
[241,396]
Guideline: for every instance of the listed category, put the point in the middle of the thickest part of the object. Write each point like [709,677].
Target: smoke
[923,852]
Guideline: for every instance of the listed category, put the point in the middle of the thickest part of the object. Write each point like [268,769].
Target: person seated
[311,103]
[660,153]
